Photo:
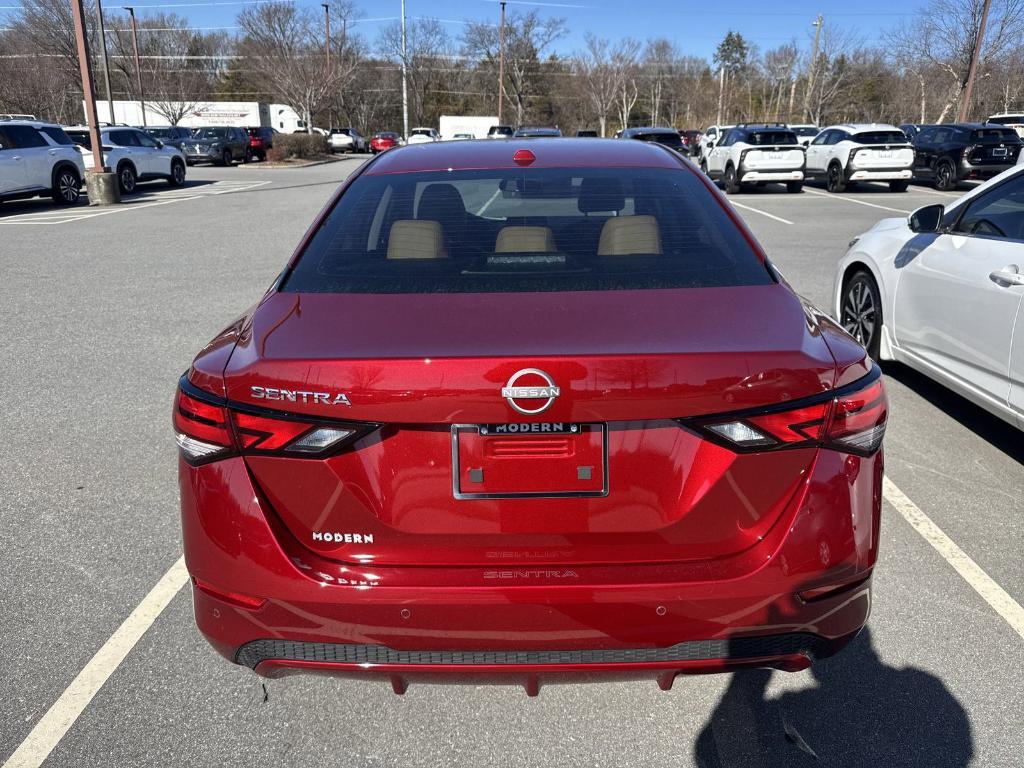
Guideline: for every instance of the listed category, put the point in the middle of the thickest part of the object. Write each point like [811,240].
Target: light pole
[405,85]
[138,67]
[327,56]
[965,104]
[818,23]
[501,64]
[103,56]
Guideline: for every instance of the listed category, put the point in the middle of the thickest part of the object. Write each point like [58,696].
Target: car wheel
[177,177]
[834,181]
[126,178]
[225,157]
[67,186]
[945,176]
[794,186]
[704,168]
[729,179]
[861,313]
[899,186]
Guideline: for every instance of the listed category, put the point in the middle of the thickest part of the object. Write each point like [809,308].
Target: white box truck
[477,126]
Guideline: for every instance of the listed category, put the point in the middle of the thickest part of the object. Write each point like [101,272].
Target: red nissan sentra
[530,412]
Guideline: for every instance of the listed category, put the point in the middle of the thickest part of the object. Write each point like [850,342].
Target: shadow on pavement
[986,426]
[861,713]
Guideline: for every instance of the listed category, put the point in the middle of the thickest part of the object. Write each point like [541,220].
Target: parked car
[712,135]
[668,137]
[463,137]
[260,141]
[537,133]
[38,159]
[500,132]
[423,135]
[910,130]
[1013,120]
[586,133]
[133,155]
[691,140]
[805,132]
[950,153]
[171,135]
[852,152]
[940,291]
[756,153]
[220,145]
[621,392]
[346,140]
[383,140]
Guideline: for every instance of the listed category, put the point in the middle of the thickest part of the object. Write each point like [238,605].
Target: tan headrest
[411,239]
[525,240]
[625,235]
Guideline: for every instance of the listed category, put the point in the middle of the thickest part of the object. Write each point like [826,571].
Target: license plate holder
[884,155]
[999,152]
[543,460]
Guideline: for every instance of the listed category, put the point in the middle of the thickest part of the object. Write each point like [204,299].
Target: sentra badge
[299,396]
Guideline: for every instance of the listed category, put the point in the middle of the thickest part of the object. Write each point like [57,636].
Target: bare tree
[527,38]
[430,62]
[593,68]
[284,46]
[626,71]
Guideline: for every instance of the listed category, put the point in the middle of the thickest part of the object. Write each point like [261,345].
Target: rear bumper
[878,174]
[470,624]
[982,171]
[772,175]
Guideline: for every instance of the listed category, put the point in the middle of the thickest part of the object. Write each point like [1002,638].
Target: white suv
[844,154]
[423,135]
[134,155]
[711,136]
[38,159]
[346,140]
[756,153]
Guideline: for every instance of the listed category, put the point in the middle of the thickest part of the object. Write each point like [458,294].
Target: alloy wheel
[860,315]
[68,187]
[127,179]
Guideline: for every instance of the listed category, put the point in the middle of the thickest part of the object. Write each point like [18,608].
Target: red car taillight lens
[206,430]
[851,420]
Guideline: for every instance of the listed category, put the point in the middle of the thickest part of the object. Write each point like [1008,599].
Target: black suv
[220,145]
[667,136]
[173,135]
[951,153]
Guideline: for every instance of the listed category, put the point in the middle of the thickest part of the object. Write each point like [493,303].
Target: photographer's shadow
[861,713]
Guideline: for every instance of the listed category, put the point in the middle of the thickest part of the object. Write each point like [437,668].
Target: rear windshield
[995,134]
[807,131]
[159,133]
[210,133]
[81,138]
[772,137]
[879,137]
[661,137]
[553,229]
[1007,119]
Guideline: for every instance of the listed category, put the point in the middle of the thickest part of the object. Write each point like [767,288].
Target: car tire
[67,186]
[860,311]
[127,179]
[899,186]
[945,176]
[704,169]
[729,180]
[794,186]
[177,177]
[225,158]
[834,181]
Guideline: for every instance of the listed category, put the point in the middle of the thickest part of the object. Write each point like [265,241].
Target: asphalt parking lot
[102,310]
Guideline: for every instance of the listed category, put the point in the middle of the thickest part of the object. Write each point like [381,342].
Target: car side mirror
[159,144]
[711,145]
[927,219]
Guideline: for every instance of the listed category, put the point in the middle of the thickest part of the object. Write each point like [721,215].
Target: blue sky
[695,25]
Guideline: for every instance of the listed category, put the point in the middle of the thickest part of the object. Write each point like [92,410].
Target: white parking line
[51,728]
[763,213]
[969,570]
[844,199]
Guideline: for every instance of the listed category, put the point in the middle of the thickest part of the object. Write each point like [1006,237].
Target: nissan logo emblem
[546,391]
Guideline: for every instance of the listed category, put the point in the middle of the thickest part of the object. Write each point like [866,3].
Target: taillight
[851,419]
[207,429]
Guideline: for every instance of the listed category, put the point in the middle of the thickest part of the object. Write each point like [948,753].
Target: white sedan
[941,291]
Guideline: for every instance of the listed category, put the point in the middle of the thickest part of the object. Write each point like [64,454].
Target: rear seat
[411,239]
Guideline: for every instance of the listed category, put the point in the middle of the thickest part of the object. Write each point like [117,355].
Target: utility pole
[405,84]
[721,90]
[818,23]
[103,56]
[501,64]
[100,183]
[138,67]
[965,102]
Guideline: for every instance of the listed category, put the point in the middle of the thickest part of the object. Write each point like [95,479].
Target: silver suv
[39,159]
